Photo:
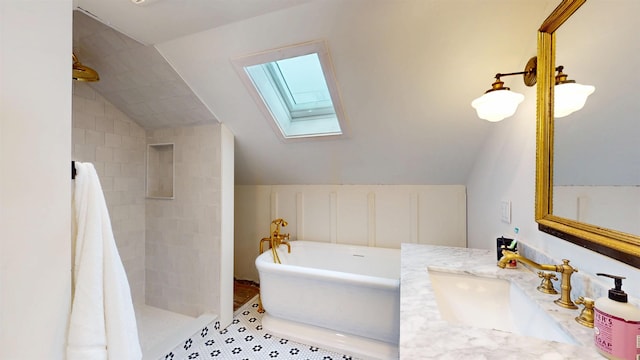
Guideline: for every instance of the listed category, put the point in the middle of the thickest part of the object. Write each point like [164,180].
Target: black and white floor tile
[245,339]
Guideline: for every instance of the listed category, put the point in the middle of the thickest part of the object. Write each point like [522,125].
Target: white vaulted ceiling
[407,71]
[135,77]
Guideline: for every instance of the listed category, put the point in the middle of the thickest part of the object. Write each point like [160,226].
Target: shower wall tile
[77,136]
[183,234]
[94,106]
[93,137]
[98,132]
[104,154]
[107,185]
[112,140]
[86,152]
[104,124]
[82,119]
[121,127]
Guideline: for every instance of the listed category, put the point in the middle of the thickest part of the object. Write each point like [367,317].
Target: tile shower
[115,145]
[166,245]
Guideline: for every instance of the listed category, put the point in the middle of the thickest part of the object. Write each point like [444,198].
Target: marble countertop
[424,335]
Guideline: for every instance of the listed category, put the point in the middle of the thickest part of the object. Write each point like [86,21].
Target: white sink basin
[493,304]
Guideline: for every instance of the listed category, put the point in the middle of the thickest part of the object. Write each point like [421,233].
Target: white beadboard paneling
[251,225]
[373,215]
[613,207]
[352,215]
[371,218]
[286,208]
[393,225]
[273,204]
[414,218]
[443,216]
[316,215]
[300,215]
[333,227]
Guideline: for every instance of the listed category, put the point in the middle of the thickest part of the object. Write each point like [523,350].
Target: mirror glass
[587,163]
[596,150]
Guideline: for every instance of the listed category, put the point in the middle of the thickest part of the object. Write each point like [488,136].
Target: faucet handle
[586,315]
[546,286]
[565,264]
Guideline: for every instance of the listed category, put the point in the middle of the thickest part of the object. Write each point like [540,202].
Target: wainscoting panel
[392,219]
[442,216]
[612,207]
[368,215]
[353,215]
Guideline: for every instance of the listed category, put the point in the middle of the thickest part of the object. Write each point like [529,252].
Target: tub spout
[283,239]
[262,242]
[275,243]
[564,269]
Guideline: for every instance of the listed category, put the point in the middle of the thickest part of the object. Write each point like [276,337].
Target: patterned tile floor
[245,339]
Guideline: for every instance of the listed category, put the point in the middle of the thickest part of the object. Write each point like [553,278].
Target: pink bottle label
[616,336]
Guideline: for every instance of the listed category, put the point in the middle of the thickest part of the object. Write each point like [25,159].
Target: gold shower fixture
[82,72]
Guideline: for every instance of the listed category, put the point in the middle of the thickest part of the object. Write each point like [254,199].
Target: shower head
[82,72]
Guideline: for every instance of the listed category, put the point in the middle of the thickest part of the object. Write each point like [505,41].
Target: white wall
[391,60]
[35,178]
[227,219]
[505,170]
[367,215]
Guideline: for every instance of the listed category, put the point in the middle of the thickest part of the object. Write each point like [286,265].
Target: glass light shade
[497,105]
[570,97]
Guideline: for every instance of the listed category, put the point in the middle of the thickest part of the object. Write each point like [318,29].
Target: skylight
[295,88]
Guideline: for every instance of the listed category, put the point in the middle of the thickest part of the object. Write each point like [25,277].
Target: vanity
[462,324]
[424,334]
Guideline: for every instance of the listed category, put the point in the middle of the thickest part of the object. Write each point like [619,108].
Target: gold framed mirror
[616,244]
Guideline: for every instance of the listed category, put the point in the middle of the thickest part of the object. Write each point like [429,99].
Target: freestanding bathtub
[339,297]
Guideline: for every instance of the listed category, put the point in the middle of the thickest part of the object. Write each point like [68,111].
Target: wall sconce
[569,96]
[500,102]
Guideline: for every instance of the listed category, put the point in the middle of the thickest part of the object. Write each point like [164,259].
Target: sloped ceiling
[407,72]
[135,77]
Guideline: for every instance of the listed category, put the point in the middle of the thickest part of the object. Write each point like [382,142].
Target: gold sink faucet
[276,239]
[564,269]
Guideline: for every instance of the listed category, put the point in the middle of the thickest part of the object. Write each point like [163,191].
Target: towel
[102,324]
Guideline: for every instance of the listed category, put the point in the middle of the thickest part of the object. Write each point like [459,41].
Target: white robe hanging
[102,324]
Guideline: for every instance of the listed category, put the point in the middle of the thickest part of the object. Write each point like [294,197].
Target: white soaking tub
[339,297]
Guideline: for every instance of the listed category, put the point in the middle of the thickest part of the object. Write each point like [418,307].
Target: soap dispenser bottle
[617,324]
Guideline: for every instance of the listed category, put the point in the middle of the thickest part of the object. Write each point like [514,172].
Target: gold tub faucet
[564,269]
[276,239]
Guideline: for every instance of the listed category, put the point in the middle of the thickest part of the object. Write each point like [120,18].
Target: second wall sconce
[500,102]
[568,95]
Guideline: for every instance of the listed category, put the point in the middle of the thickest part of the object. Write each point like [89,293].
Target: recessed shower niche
[160,171]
